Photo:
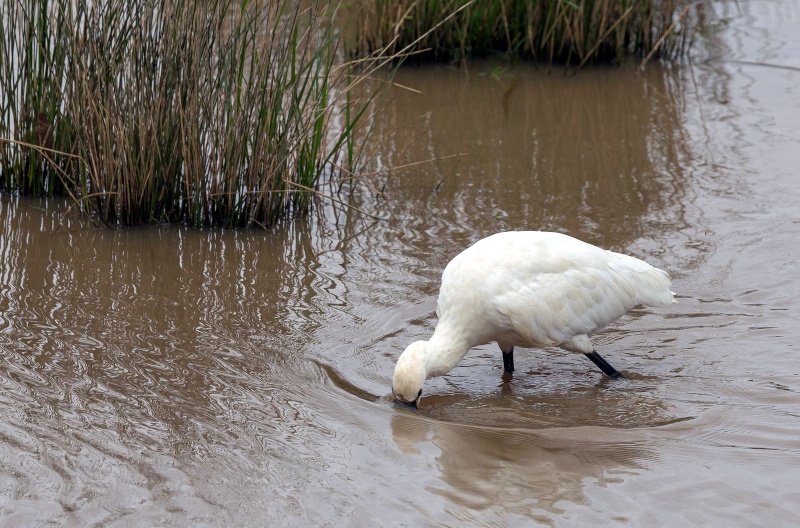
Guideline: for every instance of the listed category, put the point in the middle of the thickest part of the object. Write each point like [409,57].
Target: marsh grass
[555,31]
[31,96]
[216,113]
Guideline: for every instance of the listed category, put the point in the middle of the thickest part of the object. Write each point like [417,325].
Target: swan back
[531,288]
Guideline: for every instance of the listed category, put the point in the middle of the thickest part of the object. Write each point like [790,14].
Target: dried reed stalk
[564,31]
[224,112]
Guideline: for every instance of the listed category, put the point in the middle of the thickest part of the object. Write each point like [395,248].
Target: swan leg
[508,360]
[604,365]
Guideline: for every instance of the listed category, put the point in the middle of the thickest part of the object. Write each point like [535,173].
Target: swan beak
[407,405]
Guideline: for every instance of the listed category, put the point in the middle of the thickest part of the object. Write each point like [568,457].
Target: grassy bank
[222,112]
[562,31]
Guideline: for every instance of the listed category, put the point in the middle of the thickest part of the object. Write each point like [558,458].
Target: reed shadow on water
[568,157]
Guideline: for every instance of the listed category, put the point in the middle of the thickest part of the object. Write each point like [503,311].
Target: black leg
[604,365]
[508,361]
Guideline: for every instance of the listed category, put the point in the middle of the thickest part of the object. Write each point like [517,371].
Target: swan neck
[444,351]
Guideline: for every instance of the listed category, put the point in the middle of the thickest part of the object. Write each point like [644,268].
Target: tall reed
[564,31]
[32,66]
[222,112]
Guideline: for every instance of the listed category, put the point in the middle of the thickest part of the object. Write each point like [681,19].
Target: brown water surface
[171,377]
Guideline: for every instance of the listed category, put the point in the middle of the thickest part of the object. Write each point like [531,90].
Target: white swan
[527,289]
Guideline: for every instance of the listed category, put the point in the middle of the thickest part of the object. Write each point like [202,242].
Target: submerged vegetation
[564,31]
[213,113]
[237,112]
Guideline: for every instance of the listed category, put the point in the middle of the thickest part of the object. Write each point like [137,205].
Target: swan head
[409,374]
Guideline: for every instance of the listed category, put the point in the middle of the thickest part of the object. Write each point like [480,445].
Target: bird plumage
[528,289]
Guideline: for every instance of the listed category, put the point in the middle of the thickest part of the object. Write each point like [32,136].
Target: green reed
[222,112]
[563,31]
[31,95]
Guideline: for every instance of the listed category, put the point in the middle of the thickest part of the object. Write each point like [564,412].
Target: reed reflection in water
[541,150]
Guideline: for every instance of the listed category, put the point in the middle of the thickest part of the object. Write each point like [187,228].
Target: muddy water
[173,377]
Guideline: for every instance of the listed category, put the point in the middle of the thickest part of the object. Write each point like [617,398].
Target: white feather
[530,289]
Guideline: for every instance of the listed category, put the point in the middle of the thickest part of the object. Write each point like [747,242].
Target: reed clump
[554,31]
[214,113]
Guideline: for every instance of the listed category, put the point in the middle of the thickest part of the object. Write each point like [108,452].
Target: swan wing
[544,288]
[551,308]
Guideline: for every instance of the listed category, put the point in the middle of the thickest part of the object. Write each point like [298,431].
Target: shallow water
[164,376]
